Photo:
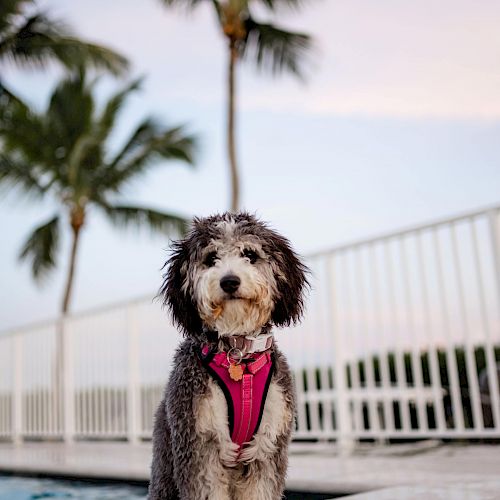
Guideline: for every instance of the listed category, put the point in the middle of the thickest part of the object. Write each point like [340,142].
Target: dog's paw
[259,448]
[249,453]
[229,454]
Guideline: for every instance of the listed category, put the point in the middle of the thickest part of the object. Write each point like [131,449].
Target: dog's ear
[291,282]
[175,296]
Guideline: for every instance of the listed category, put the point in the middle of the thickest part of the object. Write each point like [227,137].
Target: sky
[397,123]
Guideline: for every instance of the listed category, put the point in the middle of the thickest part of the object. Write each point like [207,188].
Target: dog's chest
[212,416]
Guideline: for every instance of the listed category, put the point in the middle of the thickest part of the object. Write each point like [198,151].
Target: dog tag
[235,372]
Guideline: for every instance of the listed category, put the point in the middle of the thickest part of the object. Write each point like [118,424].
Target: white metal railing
[401,339]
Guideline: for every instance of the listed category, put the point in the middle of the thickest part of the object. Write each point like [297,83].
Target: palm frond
[85,157]
[142,134]
[218,9]
[276,49]
[41,247]
[12,7]
[113,107]
[141,217]
[274,5]
[58,141]
[175,144]
[22,31]
[70,112]
[15,173]
[9,9]
[184,4]
[22,129]
[73,52]
[146,145]
[41,39]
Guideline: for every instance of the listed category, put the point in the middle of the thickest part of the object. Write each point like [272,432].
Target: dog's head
[234,275]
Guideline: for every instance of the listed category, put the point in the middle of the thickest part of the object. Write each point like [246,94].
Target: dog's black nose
[230,283]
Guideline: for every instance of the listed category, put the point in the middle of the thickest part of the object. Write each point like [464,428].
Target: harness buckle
[257,344]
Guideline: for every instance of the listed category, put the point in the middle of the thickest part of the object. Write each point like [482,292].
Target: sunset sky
[397,123]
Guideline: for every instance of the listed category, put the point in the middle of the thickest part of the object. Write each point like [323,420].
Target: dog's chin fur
[236,317]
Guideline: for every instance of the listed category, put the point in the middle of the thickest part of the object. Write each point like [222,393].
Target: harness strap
[246,409]
[245,397]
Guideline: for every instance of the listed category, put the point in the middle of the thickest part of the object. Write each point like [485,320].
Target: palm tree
[269,46]
[30,38]
[64,152]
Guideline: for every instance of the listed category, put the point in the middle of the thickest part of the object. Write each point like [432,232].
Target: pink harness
[246,397]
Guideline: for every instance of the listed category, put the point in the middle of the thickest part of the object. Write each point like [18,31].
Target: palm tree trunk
[60,349]
[69,282]
[231,125]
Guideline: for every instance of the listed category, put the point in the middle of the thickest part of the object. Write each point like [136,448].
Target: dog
[223,427]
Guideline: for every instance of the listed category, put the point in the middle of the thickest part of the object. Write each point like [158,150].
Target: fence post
[495,248]
[492,374]
[345,442]
[133,399]
[17,390]
[68,399]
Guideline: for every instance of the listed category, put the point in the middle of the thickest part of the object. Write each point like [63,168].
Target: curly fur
[193,455]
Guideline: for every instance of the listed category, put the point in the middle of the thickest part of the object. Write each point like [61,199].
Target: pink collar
[245,396]
[248,344]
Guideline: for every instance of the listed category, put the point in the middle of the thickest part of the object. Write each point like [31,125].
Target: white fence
[401,340]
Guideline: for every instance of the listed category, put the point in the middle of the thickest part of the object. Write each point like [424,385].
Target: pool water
[27,488]
[24,488]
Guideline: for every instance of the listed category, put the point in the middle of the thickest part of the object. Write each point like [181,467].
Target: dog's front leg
[204,453]
[212,424]
[217,453]
[265,479]
[200,474]
[213,480]
[162,485]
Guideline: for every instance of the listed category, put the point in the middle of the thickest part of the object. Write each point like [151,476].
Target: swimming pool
[26,488]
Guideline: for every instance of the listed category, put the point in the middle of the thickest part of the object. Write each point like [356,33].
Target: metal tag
[235,372]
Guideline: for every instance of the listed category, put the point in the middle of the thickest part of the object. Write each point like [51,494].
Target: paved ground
[480,490]
[428,471]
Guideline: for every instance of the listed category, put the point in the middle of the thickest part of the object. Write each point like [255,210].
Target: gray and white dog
[232,276]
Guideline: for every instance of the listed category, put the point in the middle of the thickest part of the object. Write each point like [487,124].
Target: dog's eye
[210,259]
[251,256]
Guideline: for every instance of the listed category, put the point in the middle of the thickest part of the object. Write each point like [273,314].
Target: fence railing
[401,340]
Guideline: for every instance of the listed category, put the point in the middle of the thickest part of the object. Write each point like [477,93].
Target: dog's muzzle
[230,283]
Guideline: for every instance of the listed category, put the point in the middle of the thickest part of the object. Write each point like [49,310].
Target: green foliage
[63,152]
[29,37]
[188,4]
[41,248]
[15,173]
[269,46]
[277,4]
[275,50]
[125,216]
[313,380]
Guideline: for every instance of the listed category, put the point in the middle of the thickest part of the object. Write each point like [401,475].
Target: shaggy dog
[227,284]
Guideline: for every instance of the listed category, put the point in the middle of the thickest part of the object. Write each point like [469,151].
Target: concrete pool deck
[424,471]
